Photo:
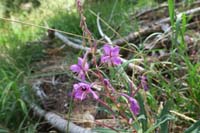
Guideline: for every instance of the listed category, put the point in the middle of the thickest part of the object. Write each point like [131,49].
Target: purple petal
[115,51]
[84,84]
[78,91]
[80,95]
[135,108]
[75,68]
[81,75]
[105,59]
[81,90]
[116,60]
[86,67]
[107,49]
[76,86]
[80,61]
[94,94]
[106,82]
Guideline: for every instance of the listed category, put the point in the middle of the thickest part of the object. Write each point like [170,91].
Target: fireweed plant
[110,57]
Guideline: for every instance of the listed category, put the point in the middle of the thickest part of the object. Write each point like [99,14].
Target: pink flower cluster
[82,90]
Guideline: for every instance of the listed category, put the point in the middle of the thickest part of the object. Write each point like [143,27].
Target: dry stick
[38,91]
[70,43]
[150,11]
[183,116]
[101,32]
[135,35]
[159,8]
[76,46]
[58,122]
[102,20]
[188,12]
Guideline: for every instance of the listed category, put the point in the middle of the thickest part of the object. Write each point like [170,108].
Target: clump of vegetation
[154,96]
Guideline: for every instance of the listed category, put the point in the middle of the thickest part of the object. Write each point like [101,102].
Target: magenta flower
[111,55]
[134,106]
[81,90]
[81,68]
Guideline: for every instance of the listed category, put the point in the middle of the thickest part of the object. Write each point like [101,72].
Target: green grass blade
[195,128]
[161,121]
[142,111]
[165,111]
[171,11]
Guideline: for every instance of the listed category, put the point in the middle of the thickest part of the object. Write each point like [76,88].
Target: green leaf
[195,128]
[159,122]
[105,130]
[165,111]
[143,112]
[3,130]
[184,23]
[171,11]
[23,106]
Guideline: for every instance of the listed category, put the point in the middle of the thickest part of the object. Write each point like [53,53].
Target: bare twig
[182,116]
[101,32]
[70,43]
[38,91]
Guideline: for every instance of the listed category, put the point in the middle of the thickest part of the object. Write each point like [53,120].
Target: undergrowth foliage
[124,101]
[146,107]
[127,106]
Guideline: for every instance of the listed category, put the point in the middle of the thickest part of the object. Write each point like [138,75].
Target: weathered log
[58,122]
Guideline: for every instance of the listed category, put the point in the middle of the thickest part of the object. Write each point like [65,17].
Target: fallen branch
[38,91]
[146,12]
[145,32]
[58,122]
[70,43]
[135,35]
[187,13]
[149,11]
